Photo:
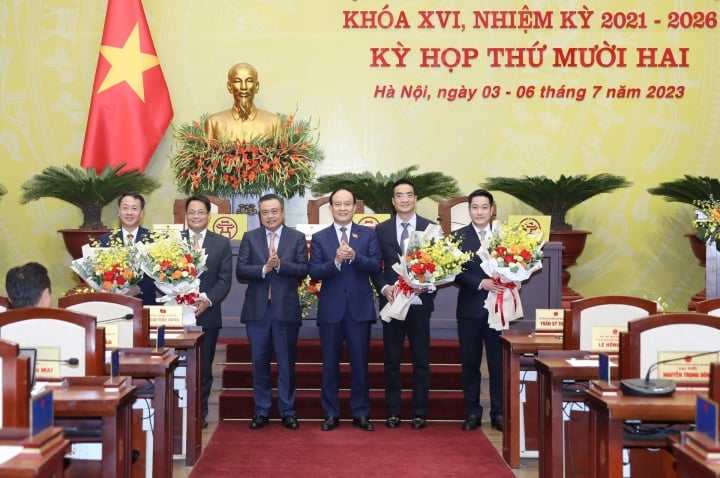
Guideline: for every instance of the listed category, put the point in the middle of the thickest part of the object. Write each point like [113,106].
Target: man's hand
[389,293]
[200,306]
[344,253]
[273,262]
[132,291]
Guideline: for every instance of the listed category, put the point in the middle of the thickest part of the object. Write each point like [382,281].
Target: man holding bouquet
[474,329]
[392,238]
[214,282]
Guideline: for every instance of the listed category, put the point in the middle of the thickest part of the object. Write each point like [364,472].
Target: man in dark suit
[472,316]
[131,207]
[392,235]
[28,285]
[344,256]
[272,258]
[214,282]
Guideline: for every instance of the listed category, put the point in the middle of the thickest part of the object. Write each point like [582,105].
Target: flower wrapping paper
[505,306]
[447,263]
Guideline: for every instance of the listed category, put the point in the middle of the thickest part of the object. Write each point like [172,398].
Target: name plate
[605,339]
[168,315]
[549,320]
[686,366]
[47,362]
[41,412]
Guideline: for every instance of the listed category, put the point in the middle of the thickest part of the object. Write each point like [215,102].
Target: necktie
[404,234]
[343,235]
[129,240]
[196,241]
[271,243]
[482,235]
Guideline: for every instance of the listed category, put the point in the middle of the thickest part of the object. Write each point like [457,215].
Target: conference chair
[121,316]
[69,344]
[318,211]
[602,315]
[4,303]
[647,339]
[217,206]
[16,385]
[709,306]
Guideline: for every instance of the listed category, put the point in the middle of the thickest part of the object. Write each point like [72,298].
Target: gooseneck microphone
[659,387]
[117,319]
[71,362]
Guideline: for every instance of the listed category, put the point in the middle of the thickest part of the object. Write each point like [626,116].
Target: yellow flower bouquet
[309,292]
[510,256]
[430,260]
[108,269]
[176,268]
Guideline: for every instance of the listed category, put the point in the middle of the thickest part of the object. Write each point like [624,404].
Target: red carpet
[441,449]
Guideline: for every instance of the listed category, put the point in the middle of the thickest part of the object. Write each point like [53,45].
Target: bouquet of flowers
[430,260]
[176,268]
[707,221]
[111,269]
[309,292]
[510,256]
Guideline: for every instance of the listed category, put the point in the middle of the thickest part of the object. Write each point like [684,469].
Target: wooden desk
[189,344]
[689,464]
[607,415]
[49,463]
[87,398]
[514,346]
[140,363]
[551,374]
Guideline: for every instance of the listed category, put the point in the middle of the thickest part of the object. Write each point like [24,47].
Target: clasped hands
[390,291]
[273,262]
[344,253]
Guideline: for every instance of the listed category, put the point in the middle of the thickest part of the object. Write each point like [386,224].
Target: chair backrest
[60,336]
[648,339]
[15,379]
[709,306]
[112,312]
[317,214]
[453,214]
[602,316]
[217,206]
[4,303]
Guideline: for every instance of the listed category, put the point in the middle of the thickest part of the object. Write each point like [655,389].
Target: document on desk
[586,362]
[8,452]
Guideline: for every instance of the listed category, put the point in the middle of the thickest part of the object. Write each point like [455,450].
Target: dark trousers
[208,356]
[356,336]
[473,333]
[416,327]
[266,335]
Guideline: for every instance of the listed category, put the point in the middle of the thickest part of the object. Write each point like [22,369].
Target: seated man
[28,286]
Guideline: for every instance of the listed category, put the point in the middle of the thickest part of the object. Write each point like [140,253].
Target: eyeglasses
[404,195]
[196,213]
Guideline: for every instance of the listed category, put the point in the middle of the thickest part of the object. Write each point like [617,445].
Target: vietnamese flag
[130,105]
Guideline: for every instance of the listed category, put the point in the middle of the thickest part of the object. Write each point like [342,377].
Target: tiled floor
[529,467]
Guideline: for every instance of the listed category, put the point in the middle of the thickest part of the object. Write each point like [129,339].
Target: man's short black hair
[25,284]
[133,195]
[198,197]
[479,193]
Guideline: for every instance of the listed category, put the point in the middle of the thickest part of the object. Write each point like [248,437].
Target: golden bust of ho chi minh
[243,122]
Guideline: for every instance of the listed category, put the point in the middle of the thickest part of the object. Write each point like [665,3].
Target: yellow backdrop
[338,68]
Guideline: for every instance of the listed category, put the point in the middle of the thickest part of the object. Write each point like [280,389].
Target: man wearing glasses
[392,235]
[215,282]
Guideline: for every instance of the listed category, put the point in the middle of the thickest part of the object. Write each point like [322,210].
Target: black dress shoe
[497,422]
[290,422]
[258,422]
[330,423]
[418,422]
[204,424]
[363,423]
[471,422]
[393,421]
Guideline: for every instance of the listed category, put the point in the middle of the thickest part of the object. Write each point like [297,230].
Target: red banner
[130,107]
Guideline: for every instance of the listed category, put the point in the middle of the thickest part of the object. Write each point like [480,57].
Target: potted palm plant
[688,190]
[555,198]
[3,190]
[375,189]
[87,190]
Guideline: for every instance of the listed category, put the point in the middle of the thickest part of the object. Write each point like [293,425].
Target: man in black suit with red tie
[392,235]
[474,331]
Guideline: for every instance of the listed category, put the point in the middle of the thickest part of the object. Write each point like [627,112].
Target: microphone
[72,361]
[660,387]
[440,219]
[117,319]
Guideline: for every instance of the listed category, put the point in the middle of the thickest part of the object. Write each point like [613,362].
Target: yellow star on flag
[127,64]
